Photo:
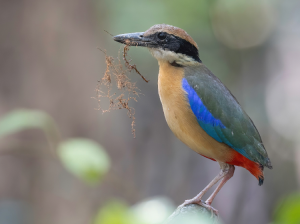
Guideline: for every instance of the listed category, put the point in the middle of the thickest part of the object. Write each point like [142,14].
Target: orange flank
[238,159]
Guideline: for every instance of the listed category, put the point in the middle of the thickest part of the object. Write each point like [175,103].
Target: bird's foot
[201,203]
[208,206]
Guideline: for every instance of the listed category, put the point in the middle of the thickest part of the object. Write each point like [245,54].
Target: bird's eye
[161,36]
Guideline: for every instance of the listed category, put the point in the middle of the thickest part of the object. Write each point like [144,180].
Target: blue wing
[222,118]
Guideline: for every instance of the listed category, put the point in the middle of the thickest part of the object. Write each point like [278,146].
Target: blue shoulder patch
[205,119]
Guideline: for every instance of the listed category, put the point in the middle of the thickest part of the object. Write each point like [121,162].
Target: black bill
[134,39]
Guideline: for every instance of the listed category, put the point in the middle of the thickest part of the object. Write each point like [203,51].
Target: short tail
[256,169]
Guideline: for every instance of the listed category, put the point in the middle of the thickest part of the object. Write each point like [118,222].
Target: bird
[199,108]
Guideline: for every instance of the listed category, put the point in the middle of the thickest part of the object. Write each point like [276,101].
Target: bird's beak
[134,39]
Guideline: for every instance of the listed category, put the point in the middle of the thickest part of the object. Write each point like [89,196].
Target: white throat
[170,56]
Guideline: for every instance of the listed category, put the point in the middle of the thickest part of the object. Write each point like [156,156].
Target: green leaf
[84,158]
[153,211]
[288,210]
[115,212]
[21,119]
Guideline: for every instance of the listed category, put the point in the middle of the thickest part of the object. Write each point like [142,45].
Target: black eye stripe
[186,48]
[175,44]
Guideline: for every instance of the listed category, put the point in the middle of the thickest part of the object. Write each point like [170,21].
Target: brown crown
[171,30]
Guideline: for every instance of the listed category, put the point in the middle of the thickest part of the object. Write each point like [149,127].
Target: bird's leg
[229,171]
[197,198]
[226,172]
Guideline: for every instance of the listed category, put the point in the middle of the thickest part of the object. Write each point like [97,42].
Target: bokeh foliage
[288,210]
[84,158]
[89,162]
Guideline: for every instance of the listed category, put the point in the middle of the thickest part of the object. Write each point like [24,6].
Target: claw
[213,210]
[201,203]
[210,208]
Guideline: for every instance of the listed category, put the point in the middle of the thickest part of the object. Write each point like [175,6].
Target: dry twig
[129,66]
[116,74]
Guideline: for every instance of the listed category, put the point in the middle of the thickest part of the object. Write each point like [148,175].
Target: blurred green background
[62,161]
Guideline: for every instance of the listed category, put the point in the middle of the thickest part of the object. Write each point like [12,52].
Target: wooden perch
[192,214]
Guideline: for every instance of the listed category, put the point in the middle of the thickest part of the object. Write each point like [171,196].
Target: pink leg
[227,176]
[226,172]
[198,197]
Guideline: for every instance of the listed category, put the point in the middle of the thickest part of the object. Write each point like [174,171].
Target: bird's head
[166,43]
